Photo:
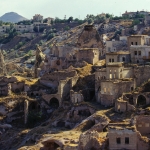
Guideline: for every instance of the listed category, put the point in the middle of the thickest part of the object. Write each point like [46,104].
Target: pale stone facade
[121,56]
[139,53]
[125,136]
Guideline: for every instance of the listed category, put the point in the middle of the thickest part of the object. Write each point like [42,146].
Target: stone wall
[58,75]
[143,124]
[63,93]
[142,74]
[17,86]
[123,106]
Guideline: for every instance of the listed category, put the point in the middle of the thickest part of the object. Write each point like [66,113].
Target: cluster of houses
[21,28]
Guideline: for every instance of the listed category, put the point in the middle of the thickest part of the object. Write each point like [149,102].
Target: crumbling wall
[111,90]
[123,106]
[59,75]
[142,74]
[143,124]
[17,86]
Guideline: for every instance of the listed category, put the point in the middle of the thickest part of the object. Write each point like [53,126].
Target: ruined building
[125,136]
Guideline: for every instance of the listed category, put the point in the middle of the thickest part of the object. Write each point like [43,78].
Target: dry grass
[26,80]
[84,71]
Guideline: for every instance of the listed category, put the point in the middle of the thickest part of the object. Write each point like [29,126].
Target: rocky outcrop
[89,38]
[90,141]
[2,64]
[39,59]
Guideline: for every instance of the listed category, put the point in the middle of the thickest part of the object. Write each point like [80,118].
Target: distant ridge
[12,17]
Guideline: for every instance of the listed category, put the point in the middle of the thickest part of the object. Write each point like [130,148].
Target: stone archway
[54,102]
[141,100]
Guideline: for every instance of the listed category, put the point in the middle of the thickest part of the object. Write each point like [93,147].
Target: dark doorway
[54,103]
[141,101]
[32,94]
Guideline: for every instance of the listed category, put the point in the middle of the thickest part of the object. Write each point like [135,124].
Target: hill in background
[12,17]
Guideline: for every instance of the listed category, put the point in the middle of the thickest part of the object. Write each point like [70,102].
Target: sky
[75,8]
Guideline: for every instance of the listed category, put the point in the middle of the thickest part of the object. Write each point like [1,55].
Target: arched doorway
[54,103]
[141,100]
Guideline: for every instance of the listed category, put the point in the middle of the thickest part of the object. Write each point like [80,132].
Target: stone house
[123,105]
[137,40]
[120,56]
[90,55]
[4,28]
[140,53]
[114,76]
[125,136]
[24,28]
[129,14]
[114,46]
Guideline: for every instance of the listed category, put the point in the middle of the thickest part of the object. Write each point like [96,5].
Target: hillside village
[86,87]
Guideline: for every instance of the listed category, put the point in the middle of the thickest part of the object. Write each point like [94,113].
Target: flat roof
[121,126]
[118,53]
[117,64]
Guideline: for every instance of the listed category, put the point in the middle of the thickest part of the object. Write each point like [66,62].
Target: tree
[70,19]
[57,20]
[50,36]
[109,16]
[76,20]
[90,21]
